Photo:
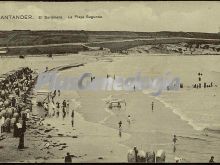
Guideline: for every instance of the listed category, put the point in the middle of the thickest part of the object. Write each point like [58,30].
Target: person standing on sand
[64,112]
[152,106]
[129,119]
[174,142]
[49,110]
[55,93]
[64,103]
[174,139]
[58,109]
[211,160]
[22,130]
[68,158]
[21,136]
[67,107]
[120,127]
[58,92]
[72,116]
[136,153]
[53,108]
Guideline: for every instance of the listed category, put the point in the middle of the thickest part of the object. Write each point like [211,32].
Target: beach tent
[150,157]
[160,156]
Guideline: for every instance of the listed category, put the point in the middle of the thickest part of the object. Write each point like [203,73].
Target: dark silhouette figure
[136,153]
[21,139]
[120,127]
[119,124]
[64,113]
[21,132]
[174,139]
[68,158]
[152,106]
[72,121]
[15,133]
[13,102]
[174,148]
[211,160]
[174,142]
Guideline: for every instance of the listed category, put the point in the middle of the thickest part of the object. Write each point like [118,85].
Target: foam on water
[106,118]
[177,111]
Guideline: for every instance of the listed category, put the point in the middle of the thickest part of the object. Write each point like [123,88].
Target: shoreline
[149,131]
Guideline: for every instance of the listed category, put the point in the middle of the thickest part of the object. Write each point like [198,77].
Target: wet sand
[97,127]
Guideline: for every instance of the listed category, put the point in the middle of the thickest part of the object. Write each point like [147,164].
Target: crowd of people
[15,105]
[55,107]
[201,84]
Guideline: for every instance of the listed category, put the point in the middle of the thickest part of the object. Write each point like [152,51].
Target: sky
[142,16]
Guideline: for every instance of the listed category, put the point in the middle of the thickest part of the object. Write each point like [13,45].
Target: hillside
[17,42]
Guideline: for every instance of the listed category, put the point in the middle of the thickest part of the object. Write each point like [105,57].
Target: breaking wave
[177,111]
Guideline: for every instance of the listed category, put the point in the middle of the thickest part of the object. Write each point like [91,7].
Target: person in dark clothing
[21,136]
[174,139]
[54,93]
[152,106]
[21,132]
[58,109]
[13,102]
[72,116]
[120,124]
[68,158]
[21,140]
[136,153]
[64,113]
[211,160]
[15,133]
[64,103]
[24,118]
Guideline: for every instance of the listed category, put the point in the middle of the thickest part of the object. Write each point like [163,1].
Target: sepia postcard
[110,82]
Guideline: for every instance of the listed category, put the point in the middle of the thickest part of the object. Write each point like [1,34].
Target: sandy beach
[95,137]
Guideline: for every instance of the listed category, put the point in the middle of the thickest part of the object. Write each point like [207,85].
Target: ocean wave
[193,138]
[212,129]
[107,117]
[177,111]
